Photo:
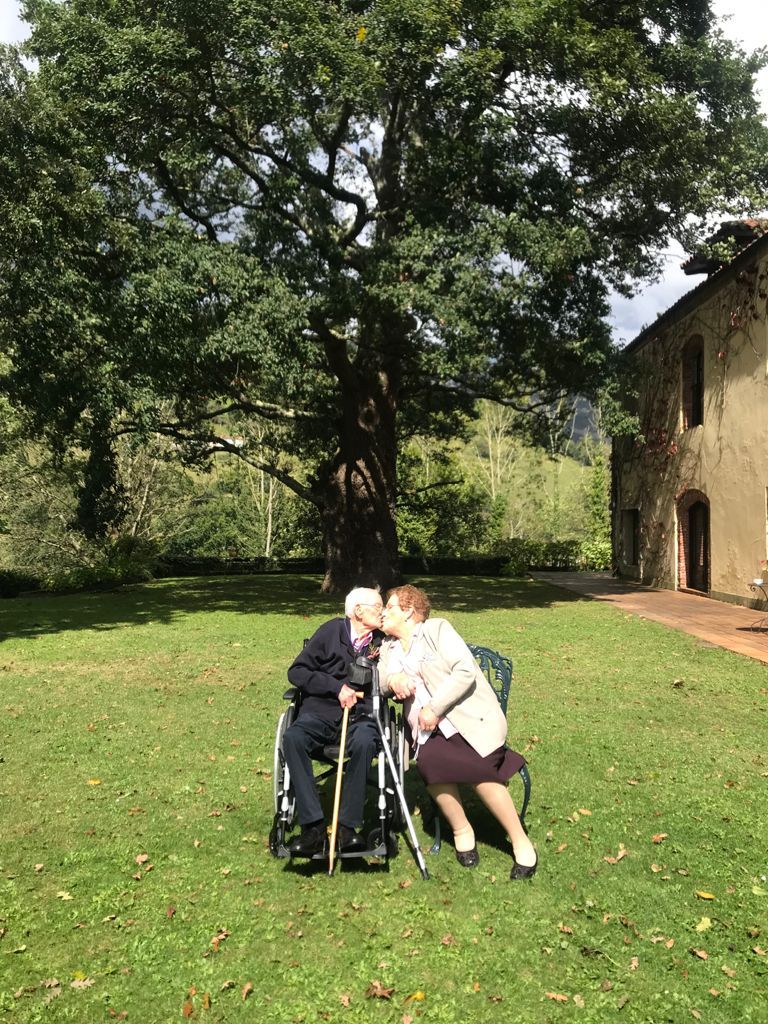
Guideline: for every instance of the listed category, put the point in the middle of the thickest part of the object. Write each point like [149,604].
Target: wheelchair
[386,774]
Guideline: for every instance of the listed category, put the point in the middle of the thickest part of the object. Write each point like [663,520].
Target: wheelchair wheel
[284,797]
[389,845]
[278,764]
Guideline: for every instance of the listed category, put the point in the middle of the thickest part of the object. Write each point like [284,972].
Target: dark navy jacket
[322,668]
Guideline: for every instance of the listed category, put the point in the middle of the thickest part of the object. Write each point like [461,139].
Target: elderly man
[322,673]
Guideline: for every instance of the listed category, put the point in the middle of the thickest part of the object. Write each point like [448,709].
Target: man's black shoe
[311,841]
[349,840]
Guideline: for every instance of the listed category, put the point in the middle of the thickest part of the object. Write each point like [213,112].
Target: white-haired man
[322,672]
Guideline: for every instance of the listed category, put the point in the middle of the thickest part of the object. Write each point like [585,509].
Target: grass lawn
[136,734]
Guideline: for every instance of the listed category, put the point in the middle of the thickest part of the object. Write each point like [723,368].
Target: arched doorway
[693,542]
[698,546]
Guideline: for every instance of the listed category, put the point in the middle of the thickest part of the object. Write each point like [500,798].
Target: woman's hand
[428,719]
[402,685]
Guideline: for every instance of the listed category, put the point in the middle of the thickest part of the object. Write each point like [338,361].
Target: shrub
[595,555]
[14,583]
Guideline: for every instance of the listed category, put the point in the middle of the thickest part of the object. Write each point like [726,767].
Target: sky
[746,21]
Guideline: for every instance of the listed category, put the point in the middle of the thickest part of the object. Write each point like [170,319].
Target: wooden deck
[725,625]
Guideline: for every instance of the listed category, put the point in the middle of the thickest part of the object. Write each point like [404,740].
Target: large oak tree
[346,220]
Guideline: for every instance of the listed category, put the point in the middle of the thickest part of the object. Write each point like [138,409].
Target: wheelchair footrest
[373,849]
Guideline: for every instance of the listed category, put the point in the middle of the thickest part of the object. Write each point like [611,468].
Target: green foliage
[344,222]
[440,512]
[522,555]
[598,498]
[229,515]
[595,555]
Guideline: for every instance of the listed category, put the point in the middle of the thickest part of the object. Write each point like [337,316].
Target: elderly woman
[456,722]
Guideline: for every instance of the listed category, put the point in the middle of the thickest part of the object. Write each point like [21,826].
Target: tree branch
[177,193]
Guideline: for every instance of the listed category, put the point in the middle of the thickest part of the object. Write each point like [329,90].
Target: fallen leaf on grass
[583,810]
[377,991]
[705,895]
[696,1014]
[94,782]
[187,1009]
[558,997]
[634,963]
[729,971]
[702,954]
[38,868]
[247,989]
[561,847]
[448,940]
[62,894]
[758,891]
[656,868]
[117,1016]
[229,983]
[704,923]
[170,911]
[206,1000]
[623,852]
[345,999]
[217,939]
[578,1000]
[82,983]
[760,951]
[565,929]
[142,858]
[660,837]
[51,994]
[415,997]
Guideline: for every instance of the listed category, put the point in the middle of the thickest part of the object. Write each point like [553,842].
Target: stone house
[690,497]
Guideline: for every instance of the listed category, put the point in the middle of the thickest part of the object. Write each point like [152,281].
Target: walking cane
[337,794]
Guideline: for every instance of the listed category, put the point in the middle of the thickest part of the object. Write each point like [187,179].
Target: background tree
[346,220]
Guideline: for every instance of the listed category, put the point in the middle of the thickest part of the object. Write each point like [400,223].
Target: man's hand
[347,696]
[428,719]
[402,685]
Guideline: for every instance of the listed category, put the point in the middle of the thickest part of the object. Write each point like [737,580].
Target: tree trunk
[358,494]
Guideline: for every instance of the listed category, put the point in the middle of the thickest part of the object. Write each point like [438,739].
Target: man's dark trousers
[306,738]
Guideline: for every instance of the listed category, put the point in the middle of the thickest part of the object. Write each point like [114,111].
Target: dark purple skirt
[444,760]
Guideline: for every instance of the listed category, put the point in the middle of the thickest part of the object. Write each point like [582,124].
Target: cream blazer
[458,688]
